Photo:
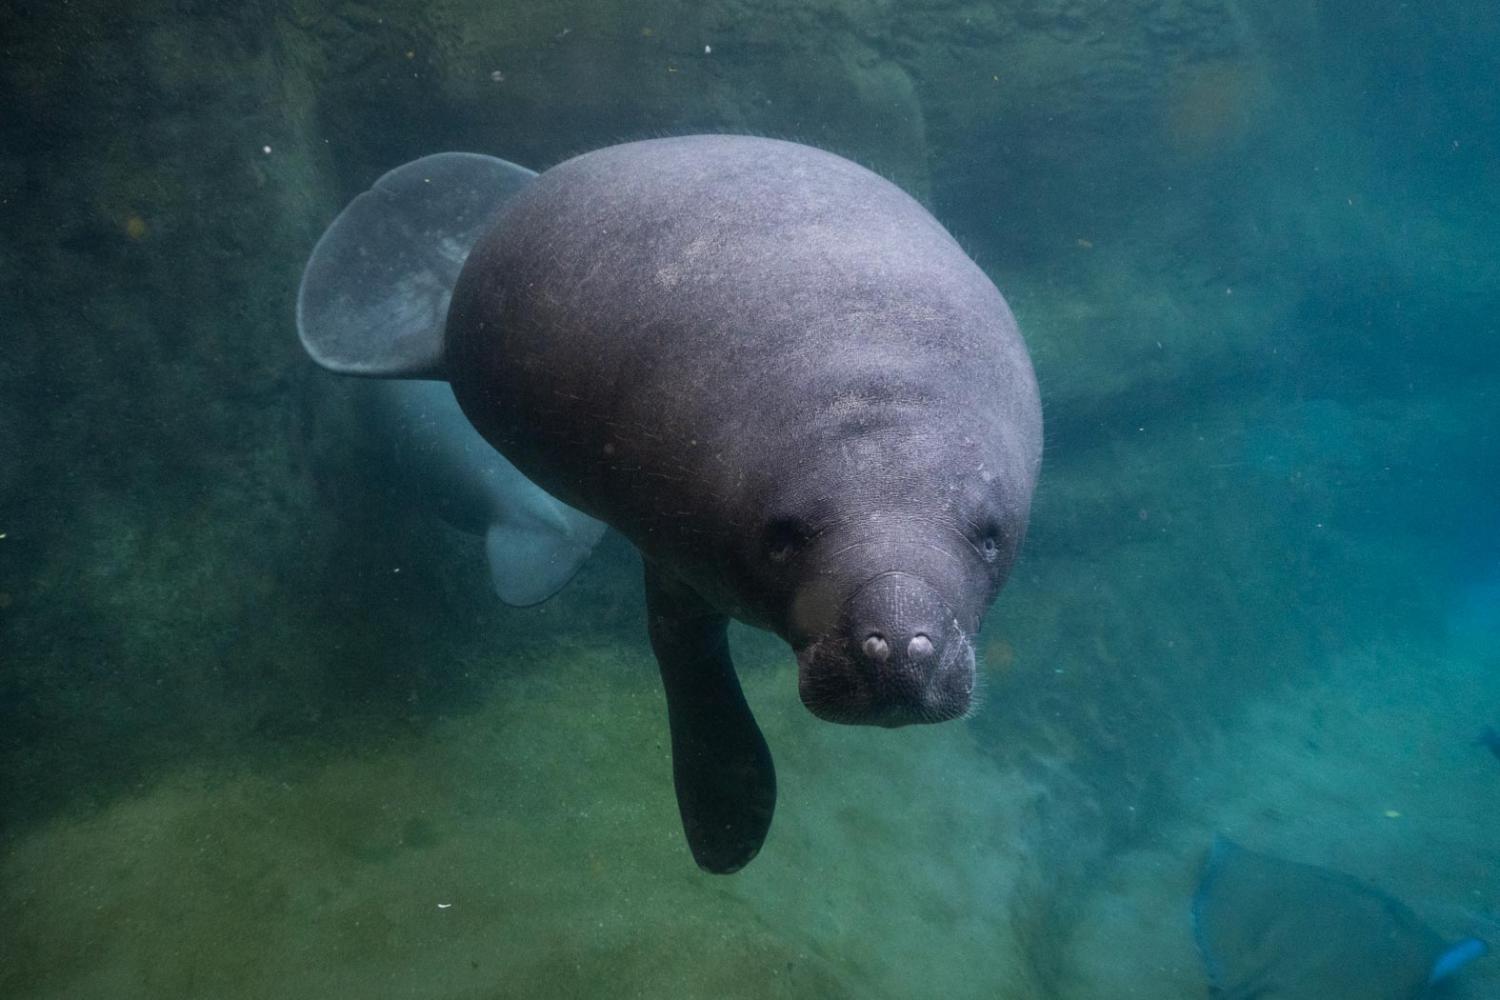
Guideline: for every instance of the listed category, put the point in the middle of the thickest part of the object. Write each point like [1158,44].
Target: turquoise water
[266,731]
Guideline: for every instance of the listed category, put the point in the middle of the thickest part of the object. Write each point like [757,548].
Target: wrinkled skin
[782,379]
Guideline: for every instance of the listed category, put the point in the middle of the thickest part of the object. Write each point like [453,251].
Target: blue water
[265,729]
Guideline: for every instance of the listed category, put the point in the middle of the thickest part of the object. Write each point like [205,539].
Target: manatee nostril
[920,647]
[876,648]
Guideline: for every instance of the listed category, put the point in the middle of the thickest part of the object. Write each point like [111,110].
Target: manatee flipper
[375,292]
[529,562]
[726,784]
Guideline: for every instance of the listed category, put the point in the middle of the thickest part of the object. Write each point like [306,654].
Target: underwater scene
[886,499]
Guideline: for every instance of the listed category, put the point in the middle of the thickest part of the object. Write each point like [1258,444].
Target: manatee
[533,542]
[770,369]
[1272,929]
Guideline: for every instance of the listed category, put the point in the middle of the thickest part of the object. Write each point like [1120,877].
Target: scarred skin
[783,380]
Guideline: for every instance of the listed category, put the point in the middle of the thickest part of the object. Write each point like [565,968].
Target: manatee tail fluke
[530,561]
[375,291]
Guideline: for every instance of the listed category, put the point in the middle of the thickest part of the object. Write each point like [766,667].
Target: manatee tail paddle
[374,295]
[529,562]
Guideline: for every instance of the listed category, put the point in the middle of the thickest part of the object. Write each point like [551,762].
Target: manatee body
[534,544]
[770,369]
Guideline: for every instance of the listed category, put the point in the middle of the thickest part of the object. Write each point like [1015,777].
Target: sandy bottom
[532,850]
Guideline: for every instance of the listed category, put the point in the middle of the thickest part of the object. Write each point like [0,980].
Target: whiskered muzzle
[855,681]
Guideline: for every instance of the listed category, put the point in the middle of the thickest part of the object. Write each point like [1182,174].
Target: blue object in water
[1456,958]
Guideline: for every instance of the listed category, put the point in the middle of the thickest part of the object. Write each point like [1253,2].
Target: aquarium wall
[264,726]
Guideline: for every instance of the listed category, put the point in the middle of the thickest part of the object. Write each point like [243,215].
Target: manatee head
[882,576]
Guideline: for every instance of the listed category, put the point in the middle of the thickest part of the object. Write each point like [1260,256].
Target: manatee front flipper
[726,784]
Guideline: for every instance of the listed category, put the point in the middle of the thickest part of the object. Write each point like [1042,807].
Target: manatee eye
[989,545]
[783,538]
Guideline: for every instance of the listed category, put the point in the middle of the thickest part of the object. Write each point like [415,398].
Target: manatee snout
[896,656]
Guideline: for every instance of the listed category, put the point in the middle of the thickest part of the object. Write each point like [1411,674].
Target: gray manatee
[533,542]
[770,369]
